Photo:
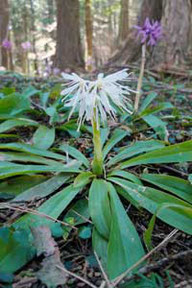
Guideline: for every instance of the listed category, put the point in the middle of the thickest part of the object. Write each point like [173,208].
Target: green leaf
[135,149]
[26,158]
[53,207]
[74,153]
[6,278]
[117,136]
[190,178]
[147,101]
[43,189]
[126,175]
[13,104]
[30,91]
[99,206]
[104,135]
[125,247]
[100,245]
[158,108]
[11,169]
[30,149]
[16,250]
[158,125]
[172,154]
[175,185]
[147,236]
[85,232]
[14,186]
[44,137]
[179,216]
[71,128]
[83,178]
[17,122]
[79,212]
[9,136]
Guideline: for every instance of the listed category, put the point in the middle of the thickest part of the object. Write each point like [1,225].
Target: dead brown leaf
[49,274]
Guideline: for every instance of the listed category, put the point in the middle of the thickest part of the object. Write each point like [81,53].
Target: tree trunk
[174,49]
[68,48]
[124,21]
[4,22]
[89,33]
[36,66]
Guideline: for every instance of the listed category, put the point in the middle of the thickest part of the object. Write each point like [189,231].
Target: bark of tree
[4,22]
[124,21]
[89,33]
[68,49]
[36,66]
[174,49]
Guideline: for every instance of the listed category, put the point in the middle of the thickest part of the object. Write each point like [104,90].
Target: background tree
[89,33]
[124,20]
[68,47]
[175,47]
[4,22]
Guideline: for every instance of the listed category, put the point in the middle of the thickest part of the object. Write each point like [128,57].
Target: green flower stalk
[97,164]
[94,100]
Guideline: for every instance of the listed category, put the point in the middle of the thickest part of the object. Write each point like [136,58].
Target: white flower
[97,98]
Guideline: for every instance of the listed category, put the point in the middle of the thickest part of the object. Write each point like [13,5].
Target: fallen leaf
[49,274]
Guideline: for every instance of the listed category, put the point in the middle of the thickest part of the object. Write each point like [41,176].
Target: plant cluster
[45,168]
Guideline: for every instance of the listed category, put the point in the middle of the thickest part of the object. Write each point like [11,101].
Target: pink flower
[7,44]
[26,45]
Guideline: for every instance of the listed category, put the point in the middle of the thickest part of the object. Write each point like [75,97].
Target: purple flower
[56,71]
[26,45]
[7,44]
[150,32]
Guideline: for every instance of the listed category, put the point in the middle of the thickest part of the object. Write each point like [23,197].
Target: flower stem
[97,164]
[139,85]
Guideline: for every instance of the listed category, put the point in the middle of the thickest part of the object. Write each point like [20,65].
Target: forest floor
[170,265]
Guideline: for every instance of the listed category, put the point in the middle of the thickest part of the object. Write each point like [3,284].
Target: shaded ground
[77,253]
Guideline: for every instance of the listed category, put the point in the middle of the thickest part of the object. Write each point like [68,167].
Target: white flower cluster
[95,99]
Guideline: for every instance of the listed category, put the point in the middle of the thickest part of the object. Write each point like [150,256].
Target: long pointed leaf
[153,199]
[74,153]
[135,149]
[43,189]
[175,153]
[30,149]
[117,136]
[99,207]
[125,247]
[175,185]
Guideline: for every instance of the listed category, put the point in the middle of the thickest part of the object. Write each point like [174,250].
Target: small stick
[35,212]
[76,276]
[123,275]
[160,263]
[81,216]
[103,272]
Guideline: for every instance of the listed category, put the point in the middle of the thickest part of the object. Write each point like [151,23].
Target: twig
[76,276]
[158,264]
[123,275]
[103,272]
[81,216]
[35,212]
[175,170]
